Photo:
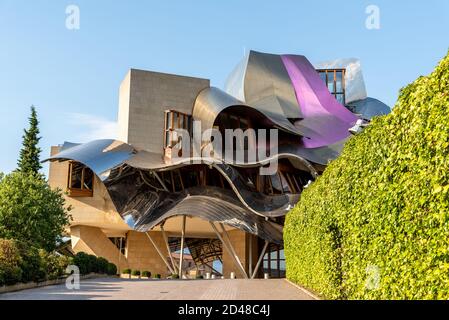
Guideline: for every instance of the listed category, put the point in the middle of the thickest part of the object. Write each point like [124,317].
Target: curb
[34,285]
[314,296]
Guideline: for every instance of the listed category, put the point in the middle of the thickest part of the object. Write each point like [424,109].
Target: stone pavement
[123,289]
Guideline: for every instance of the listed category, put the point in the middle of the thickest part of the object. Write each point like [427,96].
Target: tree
[28,162]
[30,211]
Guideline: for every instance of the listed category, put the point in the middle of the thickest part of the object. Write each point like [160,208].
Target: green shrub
[146,274]
[54,265]
[175,276]
[199,277]
[375,224]
[157,276]
[102,265]
[10,261]
[135,273]
[111,269]
[88,263]
[92,262]
[126,271]
[31,263]
[21,263]
[83,262]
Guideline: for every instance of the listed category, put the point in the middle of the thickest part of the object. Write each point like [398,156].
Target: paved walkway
[123,289]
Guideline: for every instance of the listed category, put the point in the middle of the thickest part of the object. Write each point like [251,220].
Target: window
[175,120]
[274,262]
[120,243]
[335,82]
[80,180]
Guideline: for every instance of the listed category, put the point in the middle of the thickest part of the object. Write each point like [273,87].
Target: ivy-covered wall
[375,225]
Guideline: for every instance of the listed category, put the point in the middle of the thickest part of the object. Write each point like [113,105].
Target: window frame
[268,260]
[79,192]
[335,92]
[169,128]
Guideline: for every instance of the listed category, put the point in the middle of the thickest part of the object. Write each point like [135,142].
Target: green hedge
[54,265]
[88,263]
[375,224]
[111,269]
[21,263]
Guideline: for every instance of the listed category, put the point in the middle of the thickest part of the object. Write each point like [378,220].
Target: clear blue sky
[73,76]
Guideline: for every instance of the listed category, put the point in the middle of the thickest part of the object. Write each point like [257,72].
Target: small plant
[199,277]
[135,273]
[146,274]
[157,276]
[126,271]
[175,276]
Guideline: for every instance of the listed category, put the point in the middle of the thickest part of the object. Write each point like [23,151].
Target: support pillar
[259,262]
[230,249]
[181,256]
[164,235]
[159,252]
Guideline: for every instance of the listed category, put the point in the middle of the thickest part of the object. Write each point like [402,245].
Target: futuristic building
[215,171]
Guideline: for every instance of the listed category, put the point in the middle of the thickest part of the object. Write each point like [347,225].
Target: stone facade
[97,211]
[142,255]
[241,241]
[144,96]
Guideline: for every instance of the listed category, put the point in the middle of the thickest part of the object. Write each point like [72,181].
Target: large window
[335,82]
[274,262]
[175,120]
[80,180]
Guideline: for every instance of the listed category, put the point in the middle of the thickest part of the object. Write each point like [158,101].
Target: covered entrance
[194,248]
